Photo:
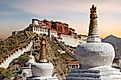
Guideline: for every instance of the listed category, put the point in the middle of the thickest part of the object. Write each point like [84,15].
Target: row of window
[74,66]
[40,29]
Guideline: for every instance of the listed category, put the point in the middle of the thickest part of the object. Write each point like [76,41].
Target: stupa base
[97,73]
[42,78]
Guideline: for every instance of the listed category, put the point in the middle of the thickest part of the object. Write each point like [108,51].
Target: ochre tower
[93,27]
[93,22]
[43,50]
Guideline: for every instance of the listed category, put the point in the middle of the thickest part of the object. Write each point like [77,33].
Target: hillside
[14,43]
[19,41]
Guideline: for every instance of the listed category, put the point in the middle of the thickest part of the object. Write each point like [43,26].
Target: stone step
[93,75]
[82,78]
[84,71]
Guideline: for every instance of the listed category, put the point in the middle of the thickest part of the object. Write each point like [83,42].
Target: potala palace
[56,52]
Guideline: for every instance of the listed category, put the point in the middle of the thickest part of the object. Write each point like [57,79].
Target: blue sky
[17,14]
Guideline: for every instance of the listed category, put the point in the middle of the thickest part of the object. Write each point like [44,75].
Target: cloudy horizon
[17,14]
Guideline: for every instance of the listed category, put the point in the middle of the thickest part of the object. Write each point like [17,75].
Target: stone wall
[15,55]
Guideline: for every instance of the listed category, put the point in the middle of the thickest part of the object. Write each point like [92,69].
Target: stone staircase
[82,74]
[15,55]
[94,74]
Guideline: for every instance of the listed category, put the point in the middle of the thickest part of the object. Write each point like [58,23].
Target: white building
[39,27]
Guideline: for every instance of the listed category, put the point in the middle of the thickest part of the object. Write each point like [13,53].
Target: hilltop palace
[94,58]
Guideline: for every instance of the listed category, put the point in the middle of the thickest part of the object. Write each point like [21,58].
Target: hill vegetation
[21,40]
[13,43]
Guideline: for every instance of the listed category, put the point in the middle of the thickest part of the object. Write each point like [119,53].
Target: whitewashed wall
[40,30]
[54,33]
[70,40]
[15,55]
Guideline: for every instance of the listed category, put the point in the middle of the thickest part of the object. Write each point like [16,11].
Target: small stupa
[95,57]
[44,69]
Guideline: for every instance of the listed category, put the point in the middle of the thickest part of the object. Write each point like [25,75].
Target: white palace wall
[40,30]
[15,55]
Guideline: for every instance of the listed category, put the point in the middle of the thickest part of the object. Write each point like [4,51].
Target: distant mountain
[112,38]
[116,42]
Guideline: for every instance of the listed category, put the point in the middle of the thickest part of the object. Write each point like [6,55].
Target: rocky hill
[14,43]
[21,39]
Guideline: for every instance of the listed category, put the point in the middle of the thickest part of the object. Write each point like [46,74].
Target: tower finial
[43,54]
[93,27]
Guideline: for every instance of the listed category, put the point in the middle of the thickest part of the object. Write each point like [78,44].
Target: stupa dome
[94,53]
[42,70]
[95,57]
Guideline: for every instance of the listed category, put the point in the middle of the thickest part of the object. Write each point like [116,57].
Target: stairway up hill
[14,46]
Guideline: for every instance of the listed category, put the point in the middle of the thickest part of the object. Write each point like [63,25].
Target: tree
[23,59]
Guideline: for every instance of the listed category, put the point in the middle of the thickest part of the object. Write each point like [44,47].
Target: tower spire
[93,27]
[43,54]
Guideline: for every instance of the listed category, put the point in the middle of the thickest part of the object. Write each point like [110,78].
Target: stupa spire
[93,27]
[43,50]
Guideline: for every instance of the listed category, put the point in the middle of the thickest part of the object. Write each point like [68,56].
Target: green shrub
[23,59]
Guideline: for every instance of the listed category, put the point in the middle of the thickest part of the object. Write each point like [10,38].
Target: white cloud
[3,13]
[40,7]
[47,7]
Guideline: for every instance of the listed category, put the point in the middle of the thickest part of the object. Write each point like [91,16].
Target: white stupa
[95,57]
[44,69]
